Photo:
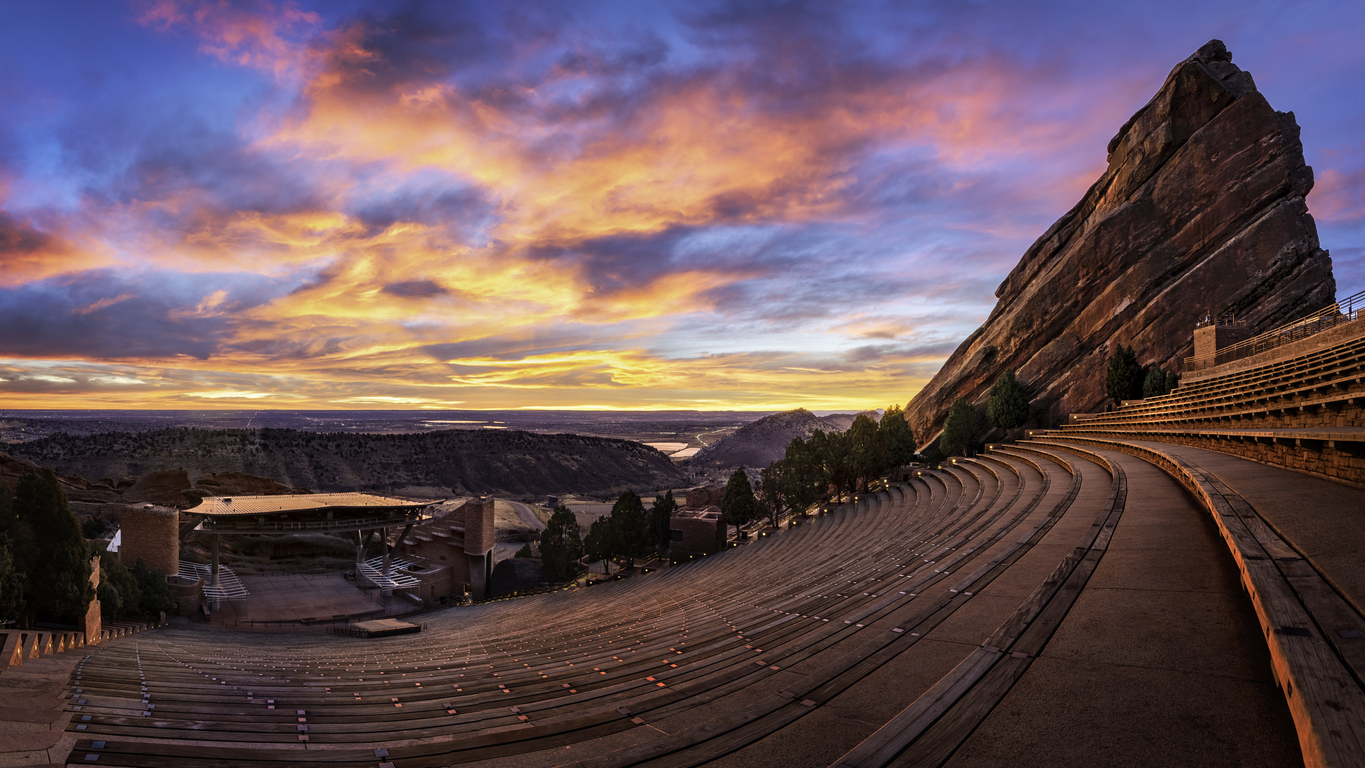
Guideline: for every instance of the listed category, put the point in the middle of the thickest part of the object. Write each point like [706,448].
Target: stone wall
[479,533]
[1342,462]
[153,534]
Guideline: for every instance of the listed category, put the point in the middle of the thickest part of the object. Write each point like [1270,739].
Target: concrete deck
[1159,663]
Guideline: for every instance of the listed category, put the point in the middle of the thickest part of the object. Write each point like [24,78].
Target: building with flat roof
[695,532]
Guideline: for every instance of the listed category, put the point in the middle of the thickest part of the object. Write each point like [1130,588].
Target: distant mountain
[840,422]
[454,462]
[762,442]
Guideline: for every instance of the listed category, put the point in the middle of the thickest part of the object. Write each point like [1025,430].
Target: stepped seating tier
[1305,412]
[864,625]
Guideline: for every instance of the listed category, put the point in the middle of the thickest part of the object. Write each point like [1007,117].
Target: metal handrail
[1337,313]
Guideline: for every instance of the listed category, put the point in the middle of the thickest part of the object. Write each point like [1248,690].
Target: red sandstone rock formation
[1201,210]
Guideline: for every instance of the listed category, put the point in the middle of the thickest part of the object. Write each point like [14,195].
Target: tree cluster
[44,560]
[836,461]
[628,532]
[1127,379]
[132,591]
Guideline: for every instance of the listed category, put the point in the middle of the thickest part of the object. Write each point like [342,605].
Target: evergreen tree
[660,519]
[1154,383]
[560,545]
[632,530]
[156,594]
[867,455]
[770,483]
[897,438]
[839,466]
[1172,381]
[50,550]
[739,505]
[1008,406]
[961,430]
[802,483]
[120,593]
[1124,378]
[602,541]
[7,516]
[11,587]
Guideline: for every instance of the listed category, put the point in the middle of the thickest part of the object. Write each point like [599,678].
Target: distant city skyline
[609,205]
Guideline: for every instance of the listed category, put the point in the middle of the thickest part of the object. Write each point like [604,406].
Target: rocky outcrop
[759,443]
[1201,210]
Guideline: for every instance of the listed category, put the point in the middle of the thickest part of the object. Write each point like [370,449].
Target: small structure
[451,555]
[152,533]
[1214,335]
[695,532]
[383,628]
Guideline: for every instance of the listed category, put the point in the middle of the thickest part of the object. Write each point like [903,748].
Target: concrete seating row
[1315,632]
[1306,413]
[1275,396]
[841,595]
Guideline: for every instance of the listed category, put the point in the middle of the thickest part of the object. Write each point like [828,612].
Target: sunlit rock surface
[1200,211]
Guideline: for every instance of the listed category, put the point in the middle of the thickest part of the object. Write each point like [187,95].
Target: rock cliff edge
[1201,210]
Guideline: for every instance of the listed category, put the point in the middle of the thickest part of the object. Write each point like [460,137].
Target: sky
[633,205]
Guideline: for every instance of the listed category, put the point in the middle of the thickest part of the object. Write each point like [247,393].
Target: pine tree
[601,542]
[632,531]
[961,430]
[50,549]
[770,482]
[11,587]
[660,519]
[560,545]
[897,438]
[739,505]
[1008,406]
[867,454]
[802,480]
[1154,384]
[1124,377]
[156,594]
[120,593]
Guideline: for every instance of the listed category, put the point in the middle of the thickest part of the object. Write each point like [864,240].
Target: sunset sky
[595,205]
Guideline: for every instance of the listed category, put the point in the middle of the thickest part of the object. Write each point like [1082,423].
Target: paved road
[527,515]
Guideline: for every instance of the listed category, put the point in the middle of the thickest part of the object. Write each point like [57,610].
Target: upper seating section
[1319,389]
[1304,409]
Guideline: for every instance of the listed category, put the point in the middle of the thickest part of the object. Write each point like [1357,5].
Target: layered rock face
[1200,211]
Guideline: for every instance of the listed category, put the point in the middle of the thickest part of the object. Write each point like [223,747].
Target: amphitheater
[1178,582]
